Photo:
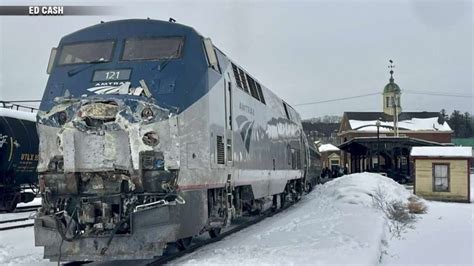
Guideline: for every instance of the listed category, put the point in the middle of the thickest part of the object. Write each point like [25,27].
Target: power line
[338,99]
[433,93]
[429,93]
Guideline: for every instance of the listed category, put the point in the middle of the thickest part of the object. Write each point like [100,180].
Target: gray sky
[305,51]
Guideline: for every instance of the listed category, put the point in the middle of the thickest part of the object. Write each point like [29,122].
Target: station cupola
[392,95]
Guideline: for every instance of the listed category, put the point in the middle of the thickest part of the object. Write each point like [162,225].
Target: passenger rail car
[150,135]
[18,158]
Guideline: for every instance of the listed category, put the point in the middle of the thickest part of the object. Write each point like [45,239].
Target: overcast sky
[305,51]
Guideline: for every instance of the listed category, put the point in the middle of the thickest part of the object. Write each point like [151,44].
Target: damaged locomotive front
[101,161]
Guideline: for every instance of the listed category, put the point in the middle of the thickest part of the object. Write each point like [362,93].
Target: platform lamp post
[378,144]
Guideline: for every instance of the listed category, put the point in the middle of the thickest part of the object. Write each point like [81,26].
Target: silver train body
[122,177]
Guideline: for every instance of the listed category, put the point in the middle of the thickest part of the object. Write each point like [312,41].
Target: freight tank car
[18,157]
[150,135]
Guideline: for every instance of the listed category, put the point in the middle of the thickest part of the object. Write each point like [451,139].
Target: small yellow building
[442,173]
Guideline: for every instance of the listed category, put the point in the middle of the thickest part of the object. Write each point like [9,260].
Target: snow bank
[334,224]
[359,188]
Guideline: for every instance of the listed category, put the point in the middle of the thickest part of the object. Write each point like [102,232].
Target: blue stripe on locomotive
[181,83]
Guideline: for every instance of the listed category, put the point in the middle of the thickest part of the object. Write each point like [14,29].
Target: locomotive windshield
[86,52]
[152,48]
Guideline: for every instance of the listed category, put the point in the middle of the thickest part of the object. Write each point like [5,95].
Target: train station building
[381,141]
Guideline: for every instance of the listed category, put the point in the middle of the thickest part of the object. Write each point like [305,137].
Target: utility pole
[395,114]
[378,145]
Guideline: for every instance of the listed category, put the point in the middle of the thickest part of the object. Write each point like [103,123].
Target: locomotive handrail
[15,106]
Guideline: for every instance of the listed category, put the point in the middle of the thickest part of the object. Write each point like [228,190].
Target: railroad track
[15,226]
[27,208]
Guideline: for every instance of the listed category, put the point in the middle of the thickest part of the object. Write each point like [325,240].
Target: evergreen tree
[468,129]
[457,124]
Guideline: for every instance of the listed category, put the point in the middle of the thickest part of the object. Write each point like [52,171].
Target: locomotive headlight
[151,138]
[62,117]
[147,113]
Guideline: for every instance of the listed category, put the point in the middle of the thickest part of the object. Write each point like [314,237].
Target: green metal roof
[391,87]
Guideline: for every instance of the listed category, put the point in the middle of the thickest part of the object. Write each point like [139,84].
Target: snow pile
[334,224]
[327,147]
[415,124]
[442,151]
[359,189]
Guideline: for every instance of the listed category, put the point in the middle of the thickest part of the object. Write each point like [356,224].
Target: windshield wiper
[165,62]
[77,70]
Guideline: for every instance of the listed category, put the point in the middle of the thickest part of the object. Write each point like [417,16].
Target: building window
[440,177]
[387,101]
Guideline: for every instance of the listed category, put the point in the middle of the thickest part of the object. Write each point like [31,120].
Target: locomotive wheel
[283,199]
[215,232]
[184,243]
[10,206]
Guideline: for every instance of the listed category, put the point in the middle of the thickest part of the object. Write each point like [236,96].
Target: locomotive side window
[243,80]
[80,53]
[259,89]
[253,88]
[236,75]
[152,49]
[286,110]
[248,84]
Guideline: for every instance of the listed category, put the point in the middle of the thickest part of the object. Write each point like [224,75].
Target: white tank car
[150,135]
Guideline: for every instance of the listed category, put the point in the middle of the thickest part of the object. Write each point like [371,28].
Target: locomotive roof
[128,28]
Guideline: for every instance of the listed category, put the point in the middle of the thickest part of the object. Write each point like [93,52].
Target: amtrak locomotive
[150,135]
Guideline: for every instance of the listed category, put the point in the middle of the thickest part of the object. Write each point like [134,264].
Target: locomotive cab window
[152,48]
[87,52]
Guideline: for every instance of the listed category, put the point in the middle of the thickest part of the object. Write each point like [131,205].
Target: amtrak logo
[122,88]
[104,90]
[246,128]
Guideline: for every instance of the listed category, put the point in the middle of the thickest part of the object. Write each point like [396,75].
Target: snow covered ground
[17,246]
[334,224]
[444,235]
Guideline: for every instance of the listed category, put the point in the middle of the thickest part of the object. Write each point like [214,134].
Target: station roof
[327,147]
[361,145]
[412,121]
[441,152]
